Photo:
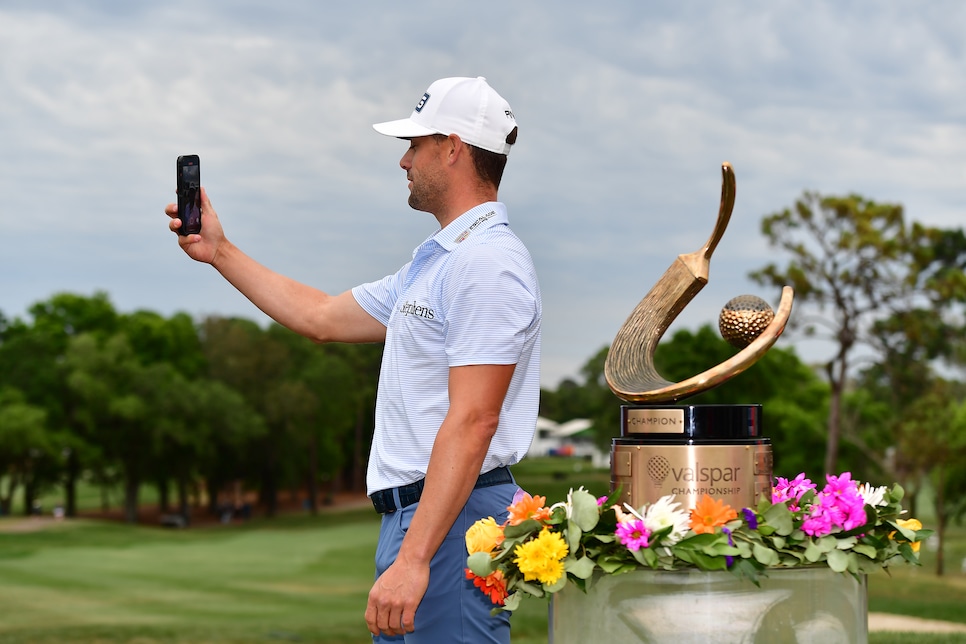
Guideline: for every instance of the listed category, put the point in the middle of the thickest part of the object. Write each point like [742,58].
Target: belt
[384,501]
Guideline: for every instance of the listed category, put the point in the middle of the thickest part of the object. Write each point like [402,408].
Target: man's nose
[406,161]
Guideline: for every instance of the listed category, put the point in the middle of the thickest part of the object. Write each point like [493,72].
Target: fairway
[296,578]
[299,580]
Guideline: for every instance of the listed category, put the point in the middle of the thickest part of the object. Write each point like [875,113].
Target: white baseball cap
[467,107]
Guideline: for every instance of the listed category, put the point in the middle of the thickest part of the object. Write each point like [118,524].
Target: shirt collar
[481,217]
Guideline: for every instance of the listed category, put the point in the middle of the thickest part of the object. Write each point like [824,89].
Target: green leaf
[557,585]
[826,543]
[512,602]
[780,518]
[765,556]
[845,544]
[838,560]
[812,552]
[705,562]
[609,566]
[481,564]
[533,589]
[525,528]
[866,550]
[573,534]
[582,568]
[585,511]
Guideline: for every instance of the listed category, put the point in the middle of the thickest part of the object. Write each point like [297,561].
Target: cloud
[626,113]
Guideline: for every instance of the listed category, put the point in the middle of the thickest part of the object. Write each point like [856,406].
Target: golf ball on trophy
[743,319]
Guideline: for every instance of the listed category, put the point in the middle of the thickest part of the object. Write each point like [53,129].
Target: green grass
[295,578]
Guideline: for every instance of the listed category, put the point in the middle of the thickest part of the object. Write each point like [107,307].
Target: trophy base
[689,451]
[814,605]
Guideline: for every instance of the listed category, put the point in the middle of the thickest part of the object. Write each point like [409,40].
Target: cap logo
[422,102]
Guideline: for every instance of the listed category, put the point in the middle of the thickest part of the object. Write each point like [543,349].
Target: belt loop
[396,503]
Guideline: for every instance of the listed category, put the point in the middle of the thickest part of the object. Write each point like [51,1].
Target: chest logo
[417,309]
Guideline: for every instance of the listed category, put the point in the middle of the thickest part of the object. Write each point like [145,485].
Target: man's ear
[456,148]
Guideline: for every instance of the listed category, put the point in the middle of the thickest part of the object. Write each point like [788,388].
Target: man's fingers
[390,620]
[409,620]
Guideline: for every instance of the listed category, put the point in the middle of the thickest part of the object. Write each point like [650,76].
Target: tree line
[125,400]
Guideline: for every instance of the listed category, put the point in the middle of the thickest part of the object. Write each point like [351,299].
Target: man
[459,383]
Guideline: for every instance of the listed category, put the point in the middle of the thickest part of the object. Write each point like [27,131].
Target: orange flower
[528,507]
[708,514]
[493,585]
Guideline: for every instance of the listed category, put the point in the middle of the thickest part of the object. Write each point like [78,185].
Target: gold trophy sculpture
[691,450]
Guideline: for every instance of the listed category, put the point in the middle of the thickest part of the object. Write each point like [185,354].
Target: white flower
[567,505]
[666,512]
[872,495]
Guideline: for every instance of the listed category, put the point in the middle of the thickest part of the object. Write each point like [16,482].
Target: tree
[117,399]
[32,360]
[248,359]
[24,441]
[857,261]
[935,439]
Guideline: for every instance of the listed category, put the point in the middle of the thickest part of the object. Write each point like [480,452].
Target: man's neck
[457,207]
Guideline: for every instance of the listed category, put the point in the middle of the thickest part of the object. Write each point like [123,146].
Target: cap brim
[403,129]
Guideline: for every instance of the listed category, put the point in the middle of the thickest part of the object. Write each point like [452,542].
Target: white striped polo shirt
[469,296]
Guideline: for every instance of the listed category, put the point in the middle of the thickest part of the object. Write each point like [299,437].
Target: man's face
[424,168]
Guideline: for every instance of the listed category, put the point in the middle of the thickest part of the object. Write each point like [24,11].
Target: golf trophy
[666,448]
[691,450]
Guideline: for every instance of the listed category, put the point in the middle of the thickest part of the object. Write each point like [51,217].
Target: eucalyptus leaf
[826,543]
[585,511]
[779,517]
[582,568]
[838,560]
[481,564]
[557,585]
[812,552]
[522,529]
[533,589]
[765,556]
[512,602]
[573,534]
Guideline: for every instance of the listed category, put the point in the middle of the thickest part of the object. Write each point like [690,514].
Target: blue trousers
[453,609]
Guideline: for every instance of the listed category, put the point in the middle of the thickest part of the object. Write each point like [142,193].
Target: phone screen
[189,194]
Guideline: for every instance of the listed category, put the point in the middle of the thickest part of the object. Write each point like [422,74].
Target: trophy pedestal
[691,450]
[809,605]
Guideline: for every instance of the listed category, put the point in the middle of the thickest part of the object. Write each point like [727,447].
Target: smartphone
[189,194]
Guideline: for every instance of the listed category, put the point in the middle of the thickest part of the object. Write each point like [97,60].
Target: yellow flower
[911,524]
[484,536]
[541,559]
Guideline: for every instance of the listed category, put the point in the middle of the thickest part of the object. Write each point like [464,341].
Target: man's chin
[416,205]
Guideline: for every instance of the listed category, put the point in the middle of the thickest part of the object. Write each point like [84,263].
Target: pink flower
[633,534]
[840,506]
[791,491]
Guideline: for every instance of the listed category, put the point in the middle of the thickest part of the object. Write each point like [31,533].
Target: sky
[626,112]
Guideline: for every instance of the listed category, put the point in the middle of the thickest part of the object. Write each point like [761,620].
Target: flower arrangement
[850,527]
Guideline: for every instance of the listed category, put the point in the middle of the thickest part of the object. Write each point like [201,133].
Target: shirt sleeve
[491,302]
[377,298]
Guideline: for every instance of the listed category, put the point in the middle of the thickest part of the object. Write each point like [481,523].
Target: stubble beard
[426,194]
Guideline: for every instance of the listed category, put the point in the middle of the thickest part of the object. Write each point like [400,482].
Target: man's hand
[203,247]
[395,597]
